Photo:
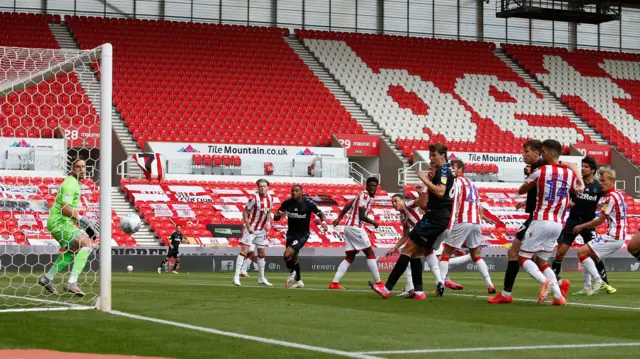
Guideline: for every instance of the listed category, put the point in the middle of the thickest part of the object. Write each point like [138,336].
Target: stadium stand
[420,90]
[601,87]
[211,76]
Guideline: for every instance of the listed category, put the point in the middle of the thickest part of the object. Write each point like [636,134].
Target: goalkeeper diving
[72,231]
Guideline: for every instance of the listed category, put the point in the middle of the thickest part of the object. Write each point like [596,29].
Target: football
[130,224]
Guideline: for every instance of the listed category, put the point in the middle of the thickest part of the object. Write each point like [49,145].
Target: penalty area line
[246,337]
[483,349]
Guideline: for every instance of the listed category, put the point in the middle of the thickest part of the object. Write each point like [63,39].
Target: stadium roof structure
[578,11]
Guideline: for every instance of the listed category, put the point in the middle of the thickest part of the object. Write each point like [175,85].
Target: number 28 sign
[81,136]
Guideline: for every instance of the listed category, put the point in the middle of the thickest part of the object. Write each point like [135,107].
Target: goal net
[55,107]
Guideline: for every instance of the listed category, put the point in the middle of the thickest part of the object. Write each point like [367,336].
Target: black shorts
[173,253]
[426,232]
[523,228]
[297,241]
[567,236]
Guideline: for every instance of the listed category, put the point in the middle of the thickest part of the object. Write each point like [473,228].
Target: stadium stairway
[120,204]
[566,111]
[91,85]
[347,101]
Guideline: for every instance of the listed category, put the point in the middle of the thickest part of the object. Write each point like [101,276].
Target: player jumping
[355,236]
[257,221]
[582,211]
[298,210]
[63,225]
[174,250]
[467,212]
[613,209]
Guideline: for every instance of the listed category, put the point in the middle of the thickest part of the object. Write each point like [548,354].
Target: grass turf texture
[356,320]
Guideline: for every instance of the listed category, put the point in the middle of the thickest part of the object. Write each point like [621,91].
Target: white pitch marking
[247,337]
[479,349]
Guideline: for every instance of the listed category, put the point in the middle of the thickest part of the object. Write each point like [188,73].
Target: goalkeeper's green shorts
[65,234]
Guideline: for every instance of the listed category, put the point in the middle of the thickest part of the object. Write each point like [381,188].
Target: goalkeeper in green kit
[64,225]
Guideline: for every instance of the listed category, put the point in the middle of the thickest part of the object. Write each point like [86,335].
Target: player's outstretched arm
[280,213]
[483,214]
[423,199]
[591,224]
[344,212]
[401,241]
[323,218]
[437,190]
[363,217]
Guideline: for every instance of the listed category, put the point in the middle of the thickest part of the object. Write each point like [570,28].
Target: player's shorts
[297,241]
[567,236]
[523,229]
[464,232]
[540,239]
[428,233]
[173,253]
[259,238]
[64,233]
[356,239]
[605,245]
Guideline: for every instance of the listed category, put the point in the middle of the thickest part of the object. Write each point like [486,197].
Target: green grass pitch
[353,321]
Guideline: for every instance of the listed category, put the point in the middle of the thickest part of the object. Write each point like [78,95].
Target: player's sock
[342,269]
[290,264]
[432,259]
[586,277]
[78,264]
[459,260]
[484,271]
[533,270]
[444,266]
[164,261]
[416,271]
[261,264]
[556,266]
[239,263]
[61,263]
[589,265]
[513,267]
[408,279]
[602,271]
[246,264]
[296,267]
[398,269]
[549,273]
[373,268]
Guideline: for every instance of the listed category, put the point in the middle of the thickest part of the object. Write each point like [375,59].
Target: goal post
[55,106]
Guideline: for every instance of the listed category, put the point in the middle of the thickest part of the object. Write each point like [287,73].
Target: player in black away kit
[582,211]
[174,246]
[298,210]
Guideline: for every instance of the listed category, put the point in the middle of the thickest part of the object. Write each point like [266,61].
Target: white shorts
[258,238]
[540,239]
[464,232]
[604,245]
[356,239]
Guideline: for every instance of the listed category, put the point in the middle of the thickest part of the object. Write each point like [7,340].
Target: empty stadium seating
[176,81]
[420,90]
[26,202]
[38,110]
[602,87]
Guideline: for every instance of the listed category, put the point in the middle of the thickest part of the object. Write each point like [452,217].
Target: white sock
[444,268]
[239,263]
[549,273]
[435,267]
[459,260]
[484,271]
[409,279]
[534,271]
[246,264]
[373,268]
[342,268]
[49,276]
[590,266]
[586,277]
[261,264]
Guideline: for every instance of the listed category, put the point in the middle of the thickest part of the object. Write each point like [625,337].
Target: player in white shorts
[356,238]
[257,222]
[467,212]
[553,182]
[613,209]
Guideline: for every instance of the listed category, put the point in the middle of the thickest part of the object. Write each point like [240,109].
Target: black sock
[296,267]
[290,265]
[398,270]
[164,261]
[602,271]
[557,267]
[636,255]
[513,267]
[175,266]
[416,274]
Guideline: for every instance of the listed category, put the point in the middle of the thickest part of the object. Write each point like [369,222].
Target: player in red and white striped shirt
[613,209]
[553,182]
[467,212]
[257,222]
[356,239]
